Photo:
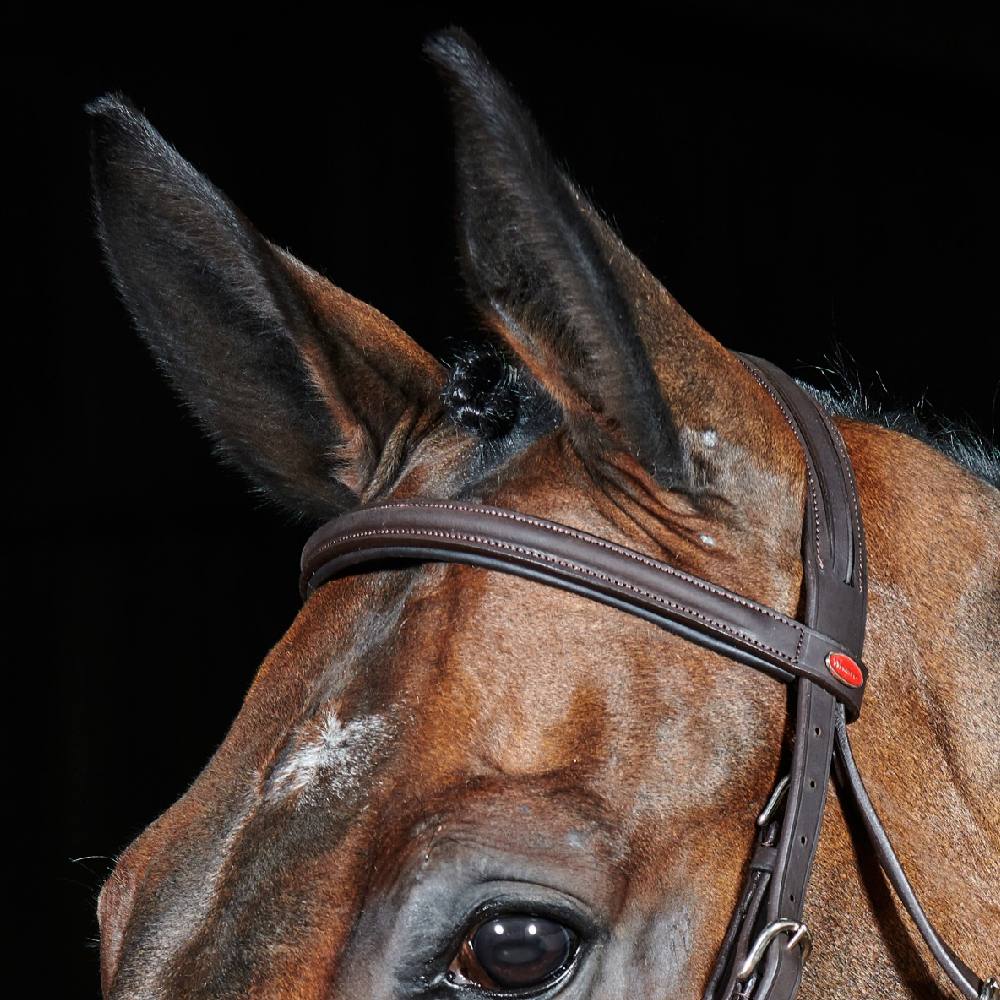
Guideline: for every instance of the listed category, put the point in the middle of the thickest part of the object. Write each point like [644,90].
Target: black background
[798,178]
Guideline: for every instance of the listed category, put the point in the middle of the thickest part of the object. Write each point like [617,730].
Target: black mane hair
[845,396]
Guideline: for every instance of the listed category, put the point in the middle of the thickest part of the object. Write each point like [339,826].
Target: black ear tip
[112,110]
[107,105]
[454,51]
[114,120]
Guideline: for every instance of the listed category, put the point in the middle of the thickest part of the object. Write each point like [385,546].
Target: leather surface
[529,546]
[835,584]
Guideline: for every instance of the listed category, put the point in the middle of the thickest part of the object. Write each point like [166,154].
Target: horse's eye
[514,952]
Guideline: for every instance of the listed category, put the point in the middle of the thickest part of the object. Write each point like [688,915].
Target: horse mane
[846,396]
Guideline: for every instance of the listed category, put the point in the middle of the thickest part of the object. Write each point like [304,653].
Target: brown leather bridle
[766,943]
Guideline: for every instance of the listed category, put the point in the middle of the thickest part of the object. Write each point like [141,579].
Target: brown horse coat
[425,741]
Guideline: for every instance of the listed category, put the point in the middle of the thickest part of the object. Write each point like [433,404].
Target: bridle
[766,943]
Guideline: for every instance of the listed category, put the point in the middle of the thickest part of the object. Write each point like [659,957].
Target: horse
[436,755]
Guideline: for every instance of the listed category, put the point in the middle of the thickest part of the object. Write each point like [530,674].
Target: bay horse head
[436,756]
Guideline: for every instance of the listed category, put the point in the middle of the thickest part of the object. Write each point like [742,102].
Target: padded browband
[765,945]
[573,560]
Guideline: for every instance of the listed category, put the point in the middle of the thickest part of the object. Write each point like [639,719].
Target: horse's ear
[313,394]
[533,263]
[583,314]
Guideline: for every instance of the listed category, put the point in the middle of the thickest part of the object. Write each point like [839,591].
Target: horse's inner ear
[594,327]
[312,393]
[536,267]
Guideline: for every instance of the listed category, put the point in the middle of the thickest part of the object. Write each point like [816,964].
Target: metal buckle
[800,936]
[780,791]
[990,989]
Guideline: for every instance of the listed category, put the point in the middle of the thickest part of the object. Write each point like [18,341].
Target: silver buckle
[799,936]
[779,793]
[990,989]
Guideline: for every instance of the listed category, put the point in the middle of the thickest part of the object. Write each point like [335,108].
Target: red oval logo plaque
[845,669]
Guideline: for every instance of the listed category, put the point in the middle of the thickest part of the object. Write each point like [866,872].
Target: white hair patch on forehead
[327,758]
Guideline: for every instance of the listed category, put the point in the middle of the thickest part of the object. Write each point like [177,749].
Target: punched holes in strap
[835,604]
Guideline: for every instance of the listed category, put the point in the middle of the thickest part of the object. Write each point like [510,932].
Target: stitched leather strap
[834,579]
[574,560]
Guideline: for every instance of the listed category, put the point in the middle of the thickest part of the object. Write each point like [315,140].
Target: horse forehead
[526,680]
[539,676]
[526,677]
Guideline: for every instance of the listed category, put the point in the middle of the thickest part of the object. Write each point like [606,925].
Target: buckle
[990,990]
[777,796]
[799,936]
